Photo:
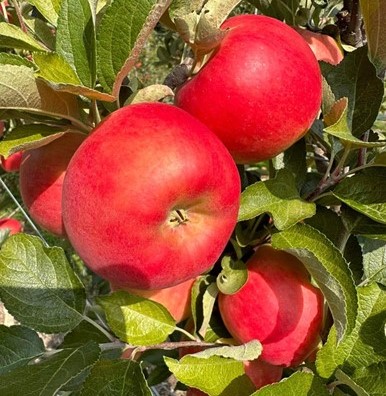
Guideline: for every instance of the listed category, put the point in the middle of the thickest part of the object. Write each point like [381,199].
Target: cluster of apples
[150,198]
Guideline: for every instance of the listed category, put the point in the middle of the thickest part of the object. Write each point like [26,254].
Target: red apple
[12,163]
[259,92]
[277,306]
[41,179]
[323,46]
[14,226]
[195,392]
[176,298]
[151,198]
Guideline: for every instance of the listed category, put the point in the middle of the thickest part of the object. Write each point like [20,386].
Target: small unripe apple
[151,198]
[13,225]
[277,306]
[259,92]
[12,163]
[176,298]
[324,47]
[41,179]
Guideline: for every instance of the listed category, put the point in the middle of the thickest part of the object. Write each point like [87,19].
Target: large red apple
[277,306]
[324,47]
[14,226]
[12,163]
[41,179]
[259,92]
[176,298]
[150,199]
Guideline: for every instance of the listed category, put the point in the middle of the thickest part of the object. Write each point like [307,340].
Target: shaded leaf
[367,342]
[13,59]
[347,380]
[365,192]
[137,320]
[372,378]
[11,36]
[120,39]
[18,345]
[48,8]
[83,333]
[217,11]
[355,78]
[374,259]
[328,268]
[116,378]
[38,286]
[49,376]
[216,375]
[298,384]
[279,197]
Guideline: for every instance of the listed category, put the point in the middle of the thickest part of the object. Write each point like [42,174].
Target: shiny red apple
[12,163]
[41,179]
[278,306]
[14,226]
[151,198]
[259,92]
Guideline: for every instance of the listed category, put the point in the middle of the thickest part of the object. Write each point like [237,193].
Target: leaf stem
[99,327]
[20,16]
[183,331]
[95,112]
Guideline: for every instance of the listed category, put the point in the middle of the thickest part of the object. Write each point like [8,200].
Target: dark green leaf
[374,259]
[18,345]
[298,384]
[367,342]
[49,376]
[279,197]
[12,59]
[137,320]
[365,192]
[116,378]
[372,378]
[355,78]
[38,286]
[329,269]
[83,333]
[48,8]
[347,380]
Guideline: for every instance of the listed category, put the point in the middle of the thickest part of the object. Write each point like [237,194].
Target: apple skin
[13,225]
[277,306]
[12,163]
[41,179]
[324,47]
[259,92]
[176,298]
[127,181]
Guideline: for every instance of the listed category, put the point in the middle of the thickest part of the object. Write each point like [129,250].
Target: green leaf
[75,39]
[374,17]
[338,126]
[367,342]
[29,136]
[347,380]
[38,286]
[83,333]
[48,8]
[137,320]
[116,378]
[280,9]
[233,276]
[374,259]
[59,75]
[121,35]
[372,378]
[20,91]
[12,59]
[217,11]
[152,93]
[249,351]
[208,300]
[49,376]
[365,192]
[329,269]
[42,31]
[11,36]
[279,197]
[355,78]
[298,384]
[18,346]
[216,375]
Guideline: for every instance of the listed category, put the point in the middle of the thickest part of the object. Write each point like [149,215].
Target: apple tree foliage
[67,64]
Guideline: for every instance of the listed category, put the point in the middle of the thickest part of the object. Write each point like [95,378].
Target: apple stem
[178,216]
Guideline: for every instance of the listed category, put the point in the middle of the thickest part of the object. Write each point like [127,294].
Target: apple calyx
[178,217]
